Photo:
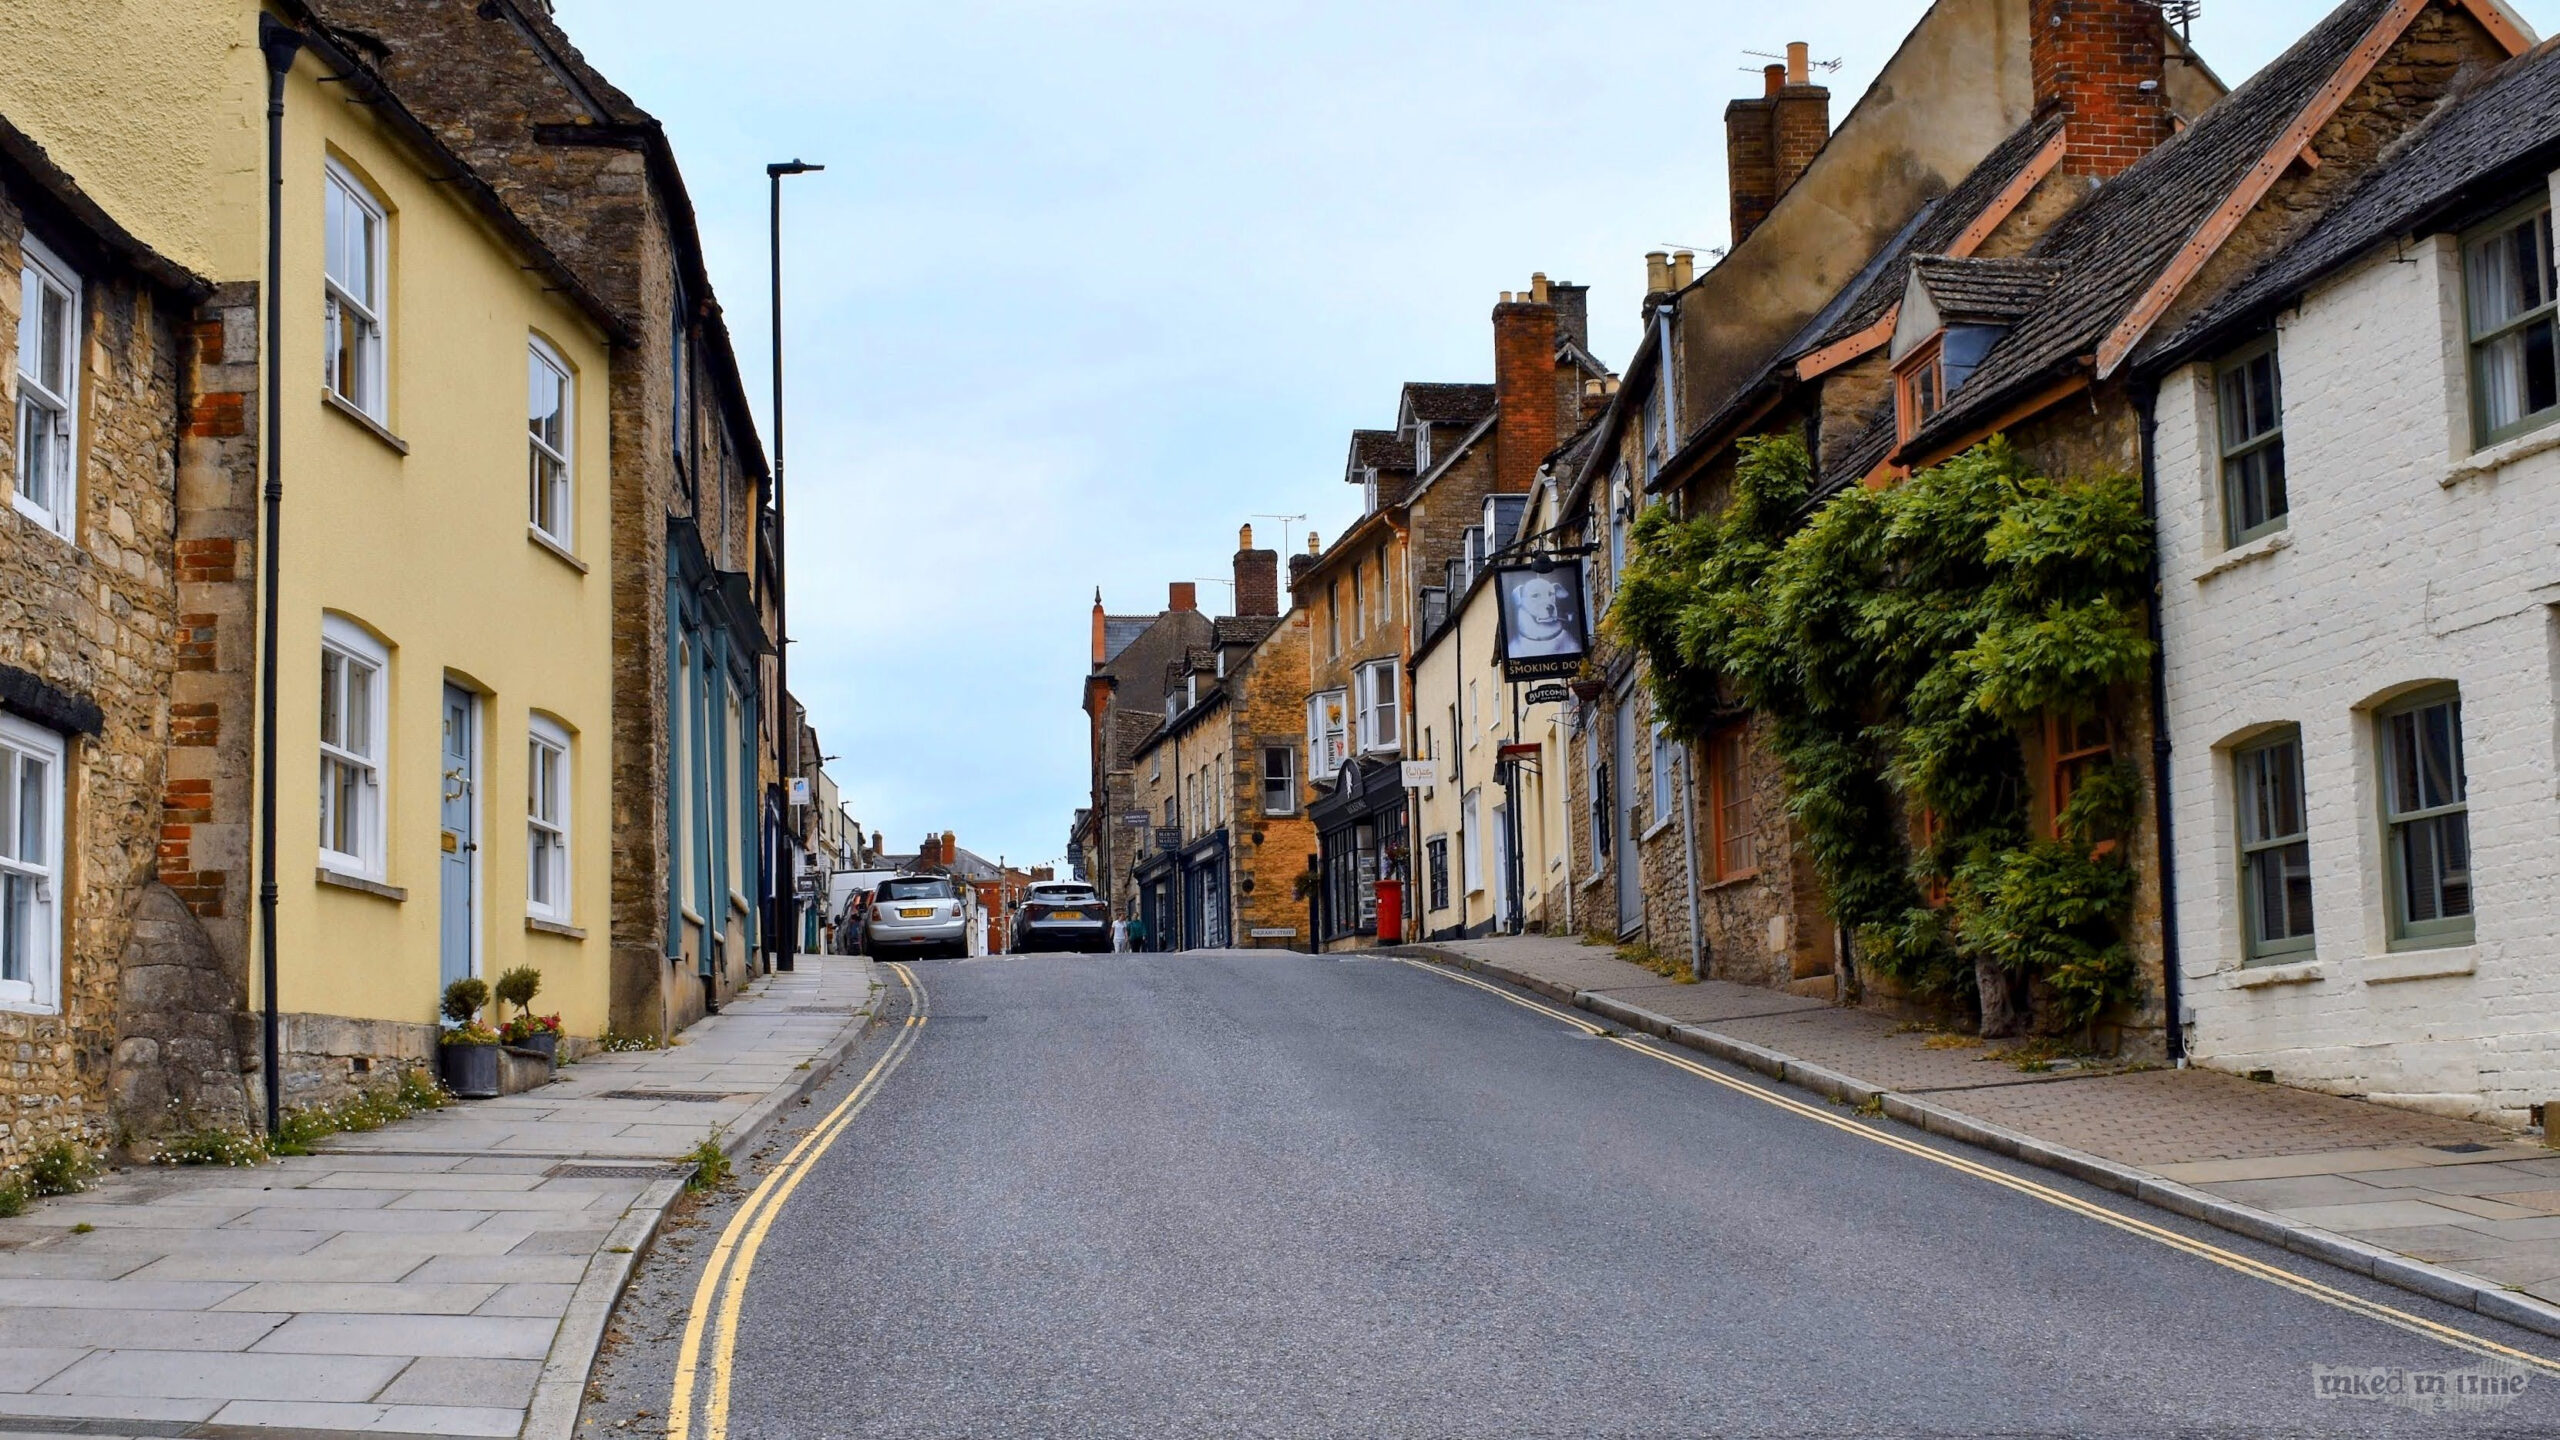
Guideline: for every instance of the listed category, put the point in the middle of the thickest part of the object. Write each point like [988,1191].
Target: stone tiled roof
[1879,288]
[1382,450]
[1861,455]
[1245,629]
[1130,730]
[2115,243]
[2497,137]
[1983,292]
[1449,404]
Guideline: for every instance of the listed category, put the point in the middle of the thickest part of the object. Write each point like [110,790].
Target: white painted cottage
[2357,460]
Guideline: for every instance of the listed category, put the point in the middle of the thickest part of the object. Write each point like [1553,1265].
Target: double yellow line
[735,1256]
[2063,1200]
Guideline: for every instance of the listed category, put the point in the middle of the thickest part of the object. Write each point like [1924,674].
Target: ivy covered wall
[1914,654]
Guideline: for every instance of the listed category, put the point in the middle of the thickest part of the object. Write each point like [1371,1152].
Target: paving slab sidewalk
[2466,1213]
[447,1275]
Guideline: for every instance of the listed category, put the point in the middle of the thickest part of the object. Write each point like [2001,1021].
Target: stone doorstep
[2450,1287]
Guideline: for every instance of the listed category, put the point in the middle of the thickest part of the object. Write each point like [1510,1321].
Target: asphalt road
[1275,1195]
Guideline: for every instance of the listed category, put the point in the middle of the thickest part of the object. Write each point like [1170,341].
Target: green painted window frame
[2258,842]
[2232,402]
[2476,340]
[2398,824]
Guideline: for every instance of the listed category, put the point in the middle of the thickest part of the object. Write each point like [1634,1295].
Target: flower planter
[545,1042]
[470,1071]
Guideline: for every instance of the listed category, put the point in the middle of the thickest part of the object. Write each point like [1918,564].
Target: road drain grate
[686,1097]
[578,1171]
[2462,1149]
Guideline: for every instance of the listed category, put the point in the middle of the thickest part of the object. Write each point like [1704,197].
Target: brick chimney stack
[1771,139]
[1099,652]
[2100,62]
[1299,565]
[1182,595]
[1257,577]
[1524,386]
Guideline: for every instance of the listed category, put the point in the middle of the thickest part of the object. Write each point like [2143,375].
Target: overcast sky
[1089,283]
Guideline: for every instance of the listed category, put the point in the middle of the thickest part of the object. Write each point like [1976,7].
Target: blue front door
[459,865]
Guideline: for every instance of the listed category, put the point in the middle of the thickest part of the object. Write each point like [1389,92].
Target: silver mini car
[918,914]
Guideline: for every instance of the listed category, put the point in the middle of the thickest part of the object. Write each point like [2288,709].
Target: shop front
[1361,832]
[1204,893]
[1159,910]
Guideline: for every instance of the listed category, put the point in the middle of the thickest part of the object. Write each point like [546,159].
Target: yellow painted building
[444,652]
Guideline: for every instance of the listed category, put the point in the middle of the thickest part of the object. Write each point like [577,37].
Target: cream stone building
[1494,849]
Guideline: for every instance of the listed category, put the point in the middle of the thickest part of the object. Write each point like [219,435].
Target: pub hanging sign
[1545,624]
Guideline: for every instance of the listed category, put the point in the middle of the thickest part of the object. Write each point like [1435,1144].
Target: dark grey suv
[1061,915]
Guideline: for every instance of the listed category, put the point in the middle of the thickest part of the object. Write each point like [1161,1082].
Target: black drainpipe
[2146,396]
[282,43]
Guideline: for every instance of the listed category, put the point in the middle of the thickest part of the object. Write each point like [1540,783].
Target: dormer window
[1920,385]
[1954,313]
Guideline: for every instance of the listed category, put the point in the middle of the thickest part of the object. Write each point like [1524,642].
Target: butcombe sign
[1545,630]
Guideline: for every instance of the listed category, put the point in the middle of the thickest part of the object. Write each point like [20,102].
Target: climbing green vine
[1896,644]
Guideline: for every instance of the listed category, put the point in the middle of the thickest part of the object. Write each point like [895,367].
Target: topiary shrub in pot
[524,1029]
[469,1054]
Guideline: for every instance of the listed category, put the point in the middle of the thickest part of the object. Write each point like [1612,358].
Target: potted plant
[528,1031]
[469,1054]
[524,1029]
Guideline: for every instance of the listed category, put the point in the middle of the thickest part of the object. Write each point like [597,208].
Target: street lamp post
[784,942]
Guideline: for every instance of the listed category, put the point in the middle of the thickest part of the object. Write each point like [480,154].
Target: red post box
[1390,912]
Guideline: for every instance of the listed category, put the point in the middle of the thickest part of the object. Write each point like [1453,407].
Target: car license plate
[1068,915]
[917,914]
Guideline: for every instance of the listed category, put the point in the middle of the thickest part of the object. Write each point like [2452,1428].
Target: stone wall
[88,628]
[1270,851]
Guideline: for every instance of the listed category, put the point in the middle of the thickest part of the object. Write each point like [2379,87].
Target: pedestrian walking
[1138,932]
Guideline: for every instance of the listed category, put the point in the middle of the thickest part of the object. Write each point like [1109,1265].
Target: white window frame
[1328,744]
[59,511]
[38,878]
[1381,707]
[1471,832]
[348,643]
[551,468]
[339,299]
[1287,780]
[1665,755]
[546,850]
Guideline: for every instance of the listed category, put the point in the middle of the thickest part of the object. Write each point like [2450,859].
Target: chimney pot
[1538,287]
[1684,268]
[1506,297]
[1773,79]
[1657,272]
[1244,537]
[1312,547]
[1799,63]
